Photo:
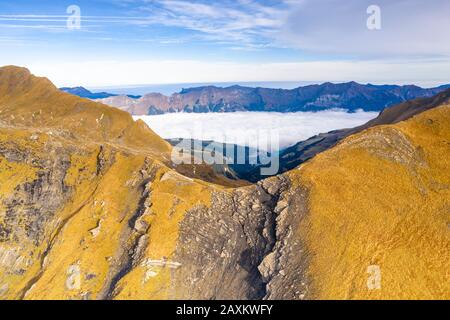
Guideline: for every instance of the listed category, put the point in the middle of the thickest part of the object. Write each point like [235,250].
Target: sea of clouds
[246,127]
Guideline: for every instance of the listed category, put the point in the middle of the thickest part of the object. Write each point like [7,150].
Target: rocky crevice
[283,269]
[134,239]
[222,248]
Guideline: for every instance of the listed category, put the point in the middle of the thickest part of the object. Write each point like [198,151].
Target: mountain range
[351,96]
[92,207]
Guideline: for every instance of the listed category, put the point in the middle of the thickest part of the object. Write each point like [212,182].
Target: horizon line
[229,84]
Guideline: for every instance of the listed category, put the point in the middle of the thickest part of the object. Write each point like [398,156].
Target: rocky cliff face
[351,96]
[100,214]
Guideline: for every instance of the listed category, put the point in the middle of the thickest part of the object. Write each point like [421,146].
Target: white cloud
[246,22]
[408,28]
[235,127]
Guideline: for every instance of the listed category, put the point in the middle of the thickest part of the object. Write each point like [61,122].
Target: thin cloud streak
[245,23]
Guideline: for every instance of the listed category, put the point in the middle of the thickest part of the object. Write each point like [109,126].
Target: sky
[136,42]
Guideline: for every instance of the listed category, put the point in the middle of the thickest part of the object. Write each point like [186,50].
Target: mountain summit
[33,102]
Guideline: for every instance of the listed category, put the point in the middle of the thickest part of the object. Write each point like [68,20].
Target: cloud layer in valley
[246,127]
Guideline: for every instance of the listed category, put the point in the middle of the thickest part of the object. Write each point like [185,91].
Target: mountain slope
[381,198]
[91,215]
[34,102]
[351,96]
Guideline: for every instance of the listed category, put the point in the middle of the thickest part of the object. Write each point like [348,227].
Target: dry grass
[385,206]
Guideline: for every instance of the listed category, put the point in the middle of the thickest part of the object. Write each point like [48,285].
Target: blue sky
[126,42]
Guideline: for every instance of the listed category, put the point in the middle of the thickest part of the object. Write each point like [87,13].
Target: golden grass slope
[87,239]
[33,102]
[381,200]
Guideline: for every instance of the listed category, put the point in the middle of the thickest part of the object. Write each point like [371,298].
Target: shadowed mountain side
[227,166]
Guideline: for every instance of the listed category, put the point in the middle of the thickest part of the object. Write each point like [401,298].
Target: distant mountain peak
[85,93]
[78,90]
